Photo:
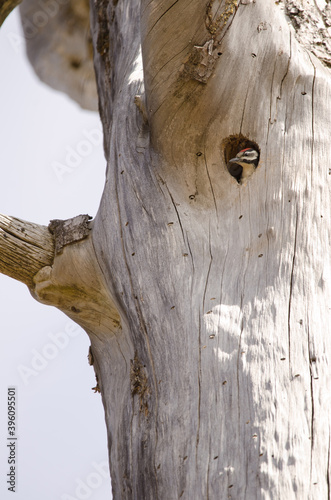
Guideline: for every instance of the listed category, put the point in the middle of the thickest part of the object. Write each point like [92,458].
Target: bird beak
[234,160]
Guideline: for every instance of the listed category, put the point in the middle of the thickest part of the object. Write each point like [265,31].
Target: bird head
[243,165]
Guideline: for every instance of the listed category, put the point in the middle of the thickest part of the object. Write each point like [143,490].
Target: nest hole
[235,143]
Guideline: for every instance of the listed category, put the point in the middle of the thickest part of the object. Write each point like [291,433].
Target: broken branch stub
[25,248]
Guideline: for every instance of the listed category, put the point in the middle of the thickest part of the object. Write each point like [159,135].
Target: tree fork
[58,265]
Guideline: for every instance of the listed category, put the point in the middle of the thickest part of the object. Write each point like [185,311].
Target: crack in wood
[291,292]
[328,468]
[312,120]
[177,214]
[163,14]
[25,248]
[199,394]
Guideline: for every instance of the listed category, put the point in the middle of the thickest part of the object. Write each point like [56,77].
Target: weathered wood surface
[24,248]
[208,302]
[58,43]
[225,289]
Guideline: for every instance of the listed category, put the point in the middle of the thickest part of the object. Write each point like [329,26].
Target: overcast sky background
[61,448]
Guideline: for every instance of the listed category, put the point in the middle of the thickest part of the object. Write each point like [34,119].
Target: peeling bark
[311,21]
[69,231]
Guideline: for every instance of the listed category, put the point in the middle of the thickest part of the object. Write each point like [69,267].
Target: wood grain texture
[24,248]
[207,302]
[225,289]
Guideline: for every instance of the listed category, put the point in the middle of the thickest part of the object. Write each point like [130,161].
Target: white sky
[60,421]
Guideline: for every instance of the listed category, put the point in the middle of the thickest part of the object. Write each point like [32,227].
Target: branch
[74,282]
[25,248]
[60,269]
[6,6]
[59,47]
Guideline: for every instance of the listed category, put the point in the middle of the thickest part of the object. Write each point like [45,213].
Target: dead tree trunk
[207,301]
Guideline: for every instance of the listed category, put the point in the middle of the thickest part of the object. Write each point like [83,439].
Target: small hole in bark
[253,55]
[235,144]
[75,63]
[192,197]
[75,310]
[303,93]
[199,153]
[219,53]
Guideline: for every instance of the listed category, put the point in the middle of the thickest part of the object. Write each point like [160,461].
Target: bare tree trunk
[209,307]
[225,288]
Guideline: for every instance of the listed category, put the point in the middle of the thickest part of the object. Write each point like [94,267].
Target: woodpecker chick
[244,164]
